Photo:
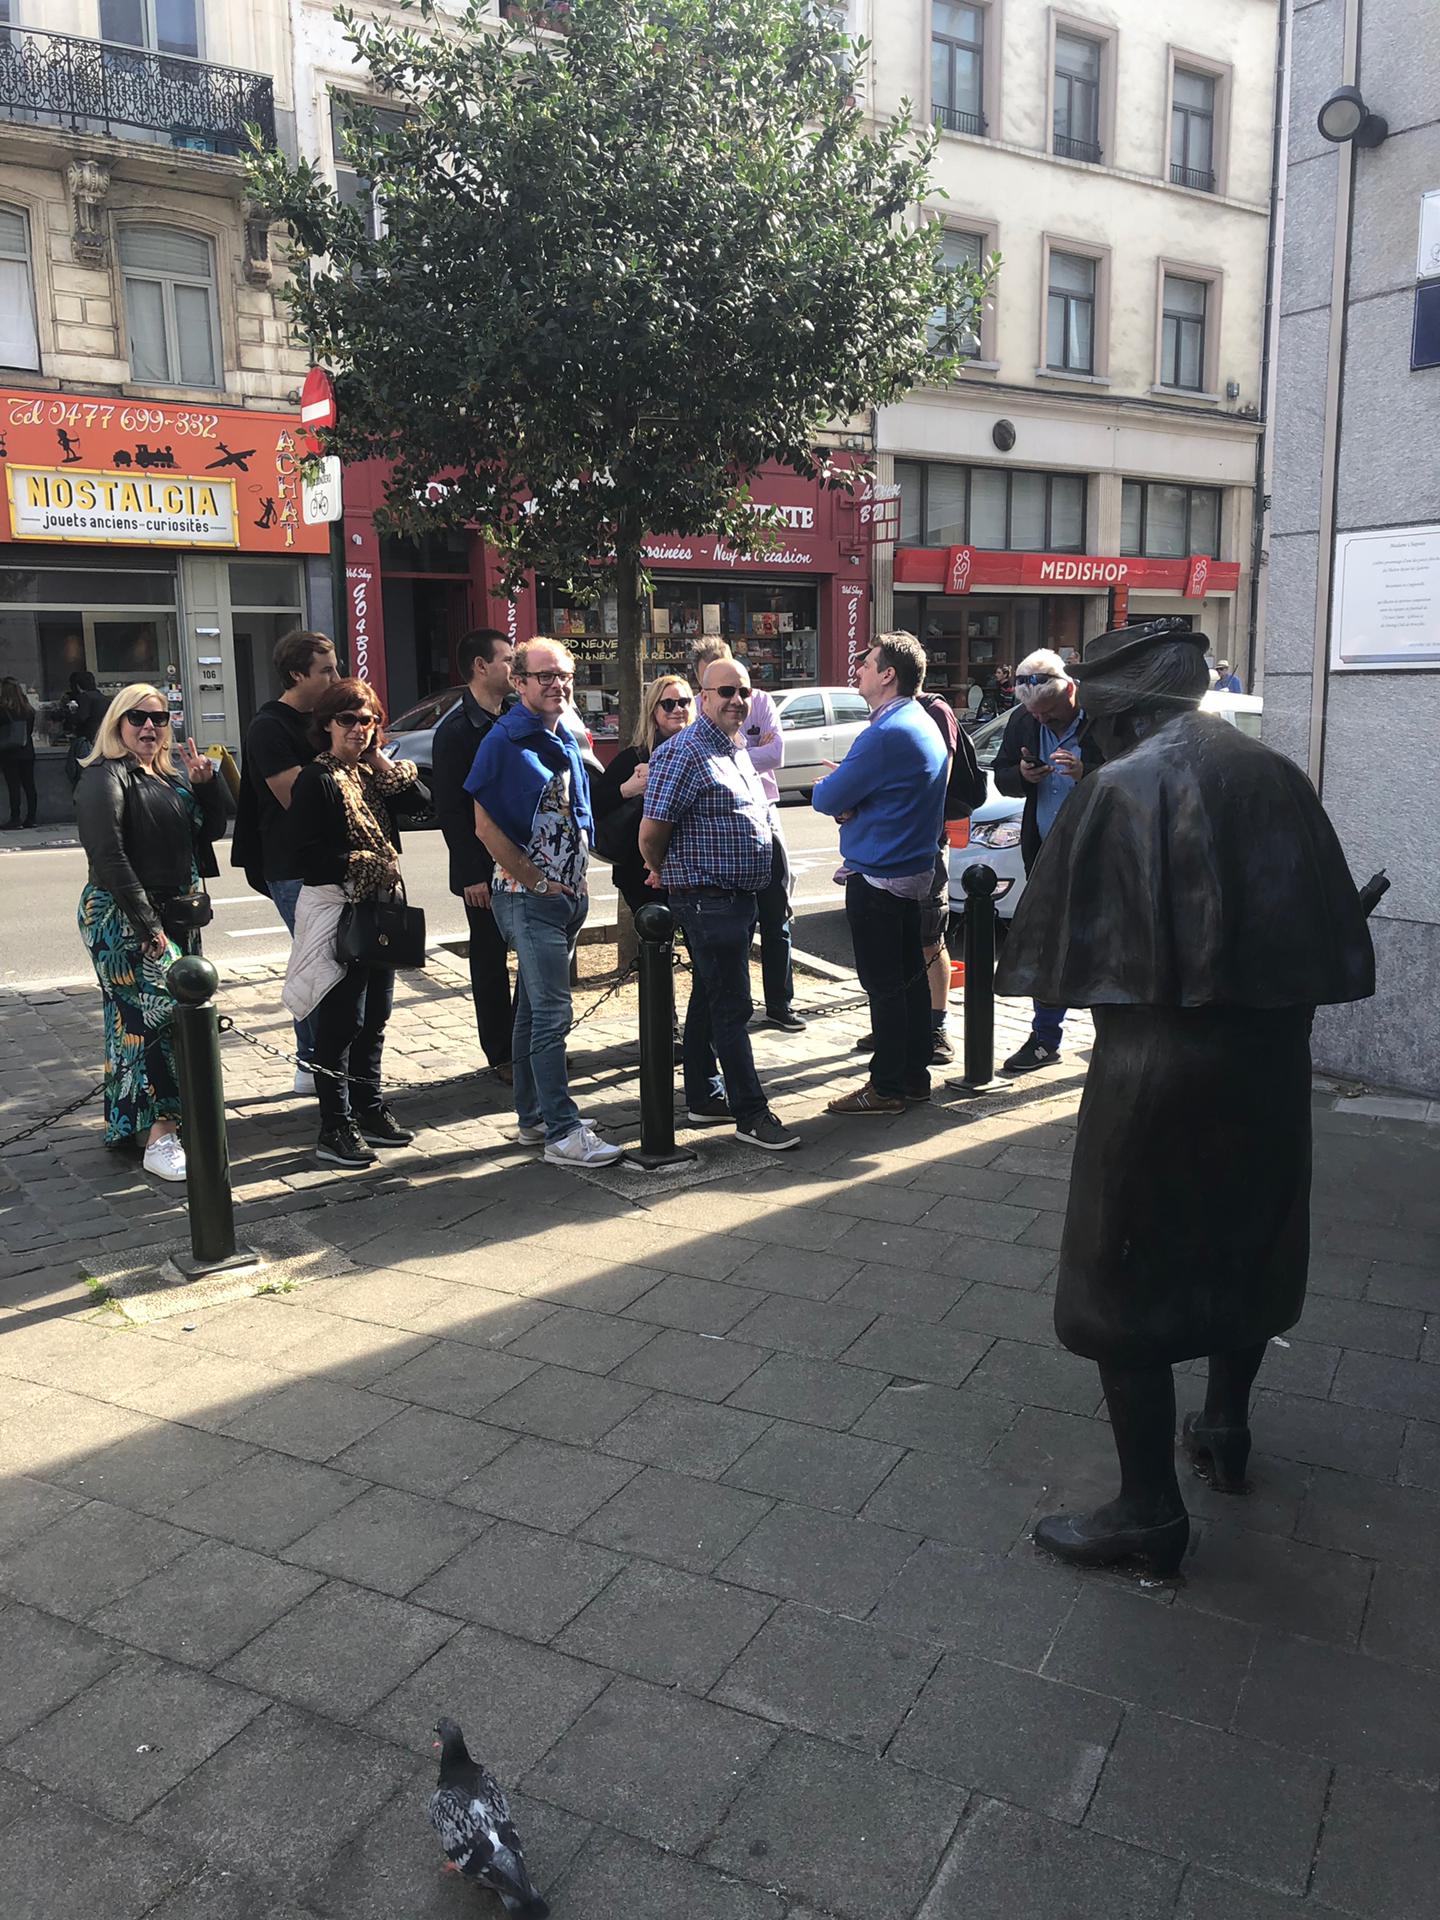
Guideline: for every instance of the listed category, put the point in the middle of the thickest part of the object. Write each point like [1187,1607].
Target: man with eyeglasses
[532,810]
[1044,755]
[707,835]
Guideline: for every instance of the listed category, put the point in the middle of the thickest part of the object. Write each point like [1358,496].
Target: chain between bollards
[655,926]
[192,982]
[979,882]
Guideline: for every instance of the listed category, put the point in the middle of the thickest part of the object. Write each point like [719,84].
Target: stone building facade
[1352,666]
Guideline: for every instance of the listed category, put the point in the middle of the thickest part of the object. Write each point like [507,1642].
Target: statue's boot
[1217,1439]
[1148,1524]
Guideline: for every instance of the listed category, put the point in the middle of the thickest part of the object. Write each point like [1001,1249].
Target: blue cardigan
[515,762]
[893,781]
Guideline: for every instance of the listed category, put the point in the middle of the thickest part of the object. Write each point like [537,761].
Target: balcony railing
[954,121]
[1069,149]
[1200,178]
[99,87]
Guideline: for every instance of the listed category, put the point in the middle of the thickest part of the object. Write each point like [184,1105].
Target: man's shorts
[936,910]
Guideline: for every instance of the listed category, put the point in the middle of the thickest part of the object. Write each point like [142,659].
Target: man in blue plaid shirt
[706,834]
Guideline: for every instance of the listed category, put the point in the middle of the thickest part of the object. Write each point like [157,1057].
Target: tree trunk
[627,628]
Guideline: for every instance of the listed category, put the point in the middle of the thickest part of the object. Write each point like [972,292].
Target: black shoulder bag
[384,932]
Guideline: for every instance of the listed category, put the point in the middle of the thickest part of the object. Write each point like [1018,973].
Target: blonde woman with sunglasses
[666,706]
[147,827]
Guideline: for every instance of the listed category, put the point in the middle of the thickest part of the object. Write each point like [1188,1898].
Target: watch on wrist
[542,885]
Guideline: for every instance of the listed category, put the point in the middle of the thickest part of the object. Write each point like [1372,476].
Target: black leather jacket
[145,836]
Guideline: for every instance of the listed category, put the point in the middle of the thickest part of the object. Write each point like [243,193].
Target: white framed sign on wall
[1386,610]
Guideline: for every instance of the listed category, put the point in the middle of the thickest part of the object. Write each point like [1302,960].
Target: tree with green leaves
[601,275]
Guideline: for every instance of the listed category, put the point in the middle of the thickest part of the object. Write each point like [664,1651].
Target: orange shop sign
[153,474]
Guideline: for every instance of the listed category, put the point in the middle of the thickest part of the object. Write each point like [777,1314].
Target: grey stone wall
[1380,728]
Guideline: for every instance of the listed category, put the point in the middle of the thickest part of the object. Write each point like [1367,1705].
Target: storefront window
[265,603]
[968,638]
[996,508]
[1169,522]
[63,619]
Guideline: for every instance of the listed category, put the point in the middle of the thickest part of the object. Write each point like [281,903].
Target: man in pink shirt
[763,740]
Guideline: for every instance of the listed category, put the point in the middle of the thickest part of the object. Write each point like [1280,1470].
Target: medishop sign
[960,570]
[105,472]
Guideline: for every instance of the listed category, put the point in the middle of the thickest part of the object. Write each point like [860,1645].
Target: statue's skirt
[1187,1231]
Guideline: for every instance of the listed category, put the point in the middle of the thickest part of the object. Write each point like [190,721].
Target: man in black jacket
[483,657]
[1044,755]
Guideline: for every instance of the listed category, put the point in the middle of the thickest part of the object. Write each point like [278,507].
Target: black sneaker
[381,1129]
[865,1044]
[787,1020]
[942,1049]
[1033,1054]
[709,1113]
[768,1133]
[342,1147]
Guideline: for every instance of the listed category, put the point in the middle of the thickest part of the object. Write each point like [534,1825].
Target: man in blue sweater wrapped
[889,796]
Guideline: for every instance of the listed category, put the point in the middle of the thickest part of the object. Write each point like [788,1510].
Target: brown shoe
[866,1100]
[505,1074]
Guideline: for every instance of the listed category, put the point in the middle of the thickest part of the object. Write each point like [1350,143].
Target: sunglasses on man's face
[681,701]
[137,716]
[1032,679]
[730,693]
[354,719]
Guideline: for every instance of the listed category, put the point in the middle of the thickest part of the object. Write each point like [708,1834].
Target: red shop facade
[977,610]
[800,615]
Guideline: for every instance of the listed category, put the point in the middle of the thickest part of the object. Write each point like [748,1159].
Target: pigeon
[469,1811]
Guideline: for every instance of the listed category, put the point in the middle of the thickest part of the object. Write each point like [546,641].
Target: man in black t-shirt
[483,658]
[277,745]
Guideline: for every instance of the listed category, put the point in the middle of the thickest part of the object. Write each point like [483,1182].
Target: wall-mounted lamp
[1345,116]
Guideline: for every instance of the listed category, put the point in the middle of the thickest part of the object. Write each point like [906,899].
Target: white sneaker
[530,1136]
[582,1147]
[304,1081]
[165,1158]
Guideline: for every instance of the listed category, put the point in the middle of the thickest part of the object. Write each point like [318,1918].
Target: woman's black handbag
[186,913]
[617,835]
[381,933]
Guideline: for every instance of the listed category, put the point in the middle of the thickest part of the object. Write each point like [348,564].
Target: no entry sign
[317,399]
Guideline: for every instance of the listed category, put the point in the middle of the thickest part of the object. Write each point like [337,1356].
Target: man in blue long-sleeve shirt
[889,796]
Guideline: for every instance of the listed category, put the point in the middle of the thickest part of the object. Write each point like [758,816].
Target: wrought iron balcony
[955,121]
[1069,149]
[99,87]
[1200,178]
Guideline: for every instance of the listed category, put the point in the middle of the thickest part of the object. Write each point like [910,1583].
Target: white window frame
[22,213]
[1108,40]
[1085,250]
[1223,74]
[987,232]
[991,69]
[1212,278]
[167,283]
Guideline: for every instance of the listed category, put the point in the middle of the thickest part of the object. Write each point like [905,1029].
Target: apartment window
[1192,130]
[957,67]
[171,310]
[165,26]
[1182,332]
[992,507]
[351,185]
[1166,522]
[19,345]
[1076,112]
[955,327]
[1070,314]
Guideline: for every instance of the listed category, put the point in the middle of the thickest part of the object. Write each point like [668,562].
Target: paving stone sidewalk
[706,1513]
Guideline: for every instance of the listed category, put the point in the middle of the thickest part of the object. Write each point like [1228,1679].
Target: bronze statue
[1193,894]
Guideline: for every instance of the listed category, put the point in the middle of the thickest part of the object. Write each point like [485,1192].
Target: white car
[994,835]
[409,735]
[819,724]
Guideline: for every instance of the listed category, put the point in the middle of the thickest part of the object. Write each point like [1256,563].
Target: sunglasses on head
[137,716]
[354,719]
[730,693]
[676,700]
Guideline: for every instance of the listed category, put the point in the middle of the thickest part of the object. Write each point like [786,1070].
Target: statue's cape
[1197,870]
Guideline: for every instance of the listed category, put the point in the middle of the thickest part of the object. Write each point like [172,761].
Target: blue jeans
[718,928]
[1047,1025]
[285,894]
[542,929]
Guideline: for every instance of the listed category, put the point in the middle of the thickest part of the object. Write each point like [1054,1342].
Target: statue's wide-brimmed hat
[1108,652]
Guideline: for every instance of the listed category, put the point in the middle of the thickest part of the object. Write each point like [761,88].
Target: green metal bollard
[192,982]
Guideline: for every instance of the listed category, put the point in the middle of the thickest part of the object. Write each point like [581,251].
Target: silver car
[409,735]
[819,724]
